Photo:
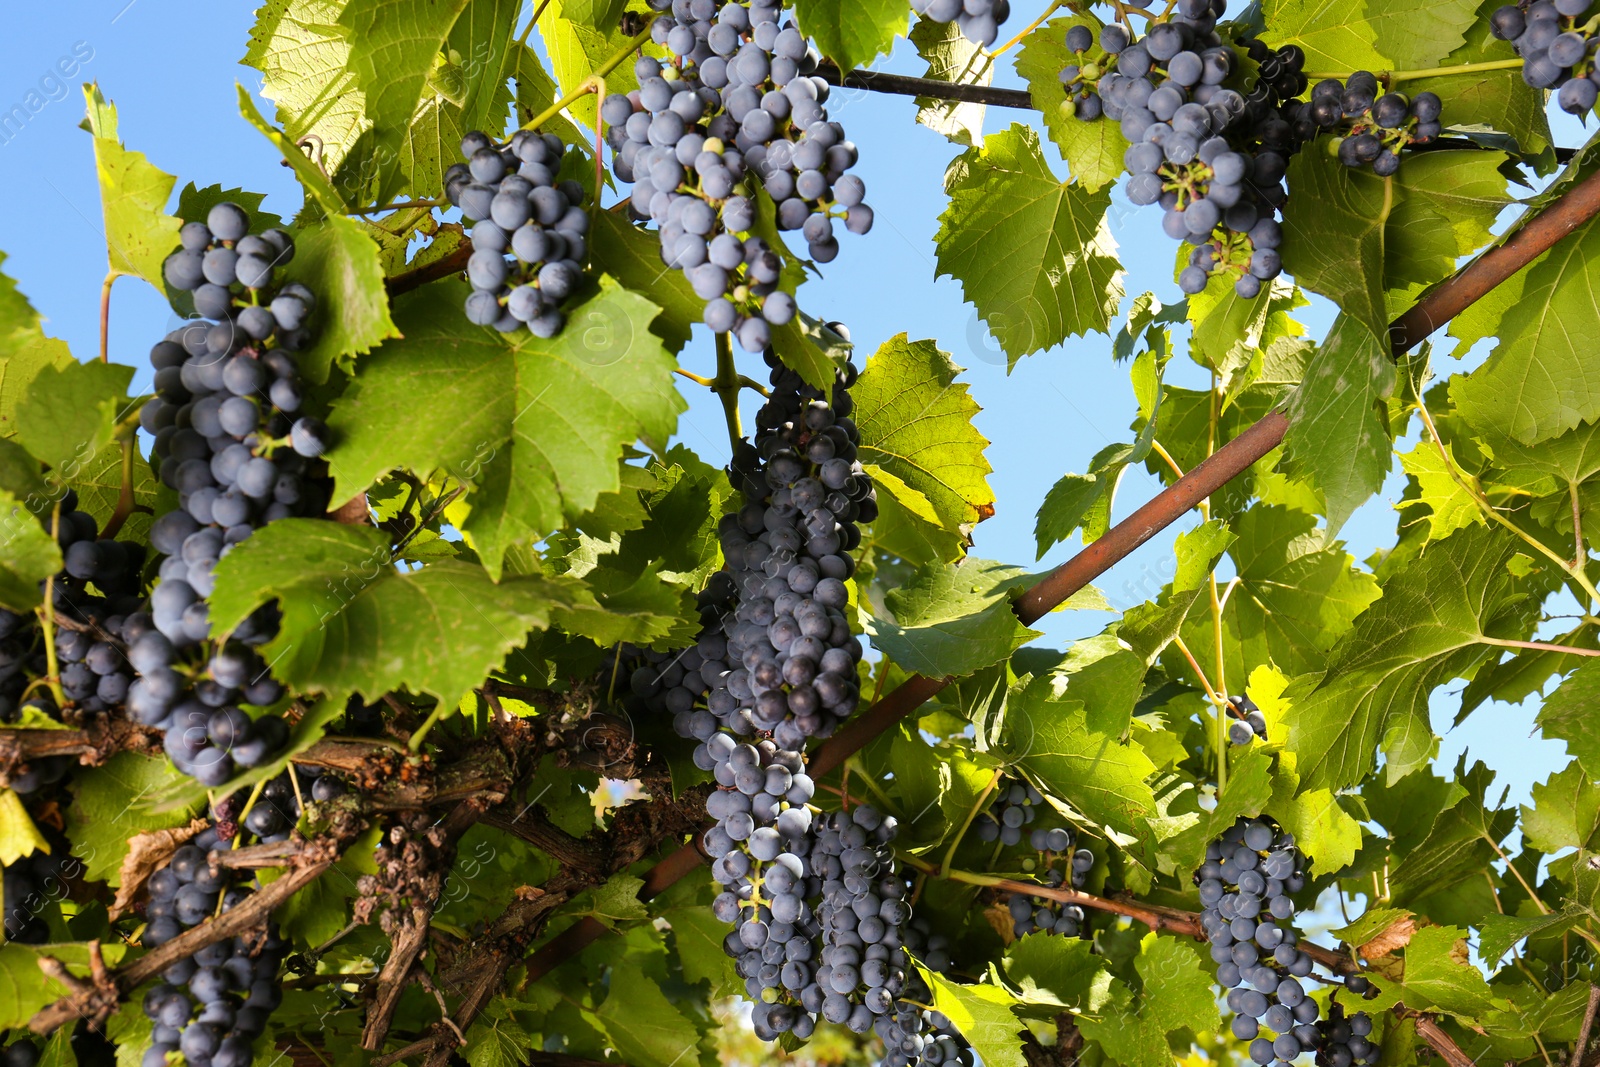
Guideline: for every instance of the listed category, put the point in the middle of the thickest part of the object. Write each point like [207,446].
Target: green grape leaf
[1094,149]
[28,555]
[1338,436]
[195,203]
[24,989]
[538,424]
[1097,772]
[1568,715]
[633,257]
[536,91]
[1565,812]
[982,1014]
[645,1027]
[1033,254]
[341,264]
[113,803]
[907,525]
[1425,630]
[951,619]
[576,51]
[596,14]
[1298,592]
[496,1038]
[19,836]
[71,412]
[1321,827]
[317,185]
[1443,210]
[916,425]
[1498,933]
[1415,34]
[1173,979]
[1061,971]
[810,349]
[1148,628]
[393,47]
[852,33]
[303,55]
[1440,975]
[133,193]
[1338,249]
[954,59]
[1540,380]
[697,934]
[1450,506]
[1333,35]
[353,623]
[1462,842]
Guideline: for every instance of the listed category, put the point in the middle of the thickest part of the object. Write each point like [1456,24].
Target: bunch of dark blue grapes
[529,230]
[914,1035]
[31,884]
[1344,1039]
[1246,892]
[213,1005]
[1248,722]
[1557,48]
[1371,128]
[1212,157]
[979,20]
[1043,915]
[736,105]
[228,438]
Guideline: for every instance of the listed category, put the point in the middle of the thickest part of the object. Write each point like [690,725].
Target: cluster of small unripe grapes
[979,20]
[1246,891]
[1373,127]
[1557,48]
[736,105]
[1248,722]
[228,439]
[517,205]
[213,1005]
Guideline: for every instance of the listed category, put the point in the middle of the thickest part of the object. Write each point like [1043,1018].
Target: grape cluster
[30,884]
[24,1053]
[516,205]
[228,439]
[979,20]
[914,1035]
[213,1005]
[1248,722]
[736,105]
[1212,157]
[1043,915]
[1373,128]
[1344,1040]
[1556,46]
[1246,886]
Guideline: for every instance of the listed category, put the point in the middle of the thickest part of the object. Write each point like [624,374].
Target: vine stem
[1396,76]
[1582,1044]
[592,84]
[966,824]
[105,315]
[726,386]
[378,209]
[1538,646]
[47,618]
[1055,5]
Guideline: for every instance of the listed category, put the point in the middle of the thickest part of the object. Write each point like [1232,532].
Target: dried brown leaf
[147,852]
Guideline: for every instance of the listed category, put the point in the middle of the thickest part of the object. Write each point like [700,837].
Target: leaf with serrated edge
[1033,254]
[646,1028]
[982,1015]
[1422,632]
[1338,438]
[1416,34]
[1093,149]
[133,194]
[303,56]
[951,619]
[916,423]
[353,623]
[954,59]
[1334,34]
[1542,379]
[342,265]
[852,33]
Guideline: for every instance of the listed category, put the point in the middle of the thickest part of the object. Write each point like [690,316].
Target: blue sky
[170,67]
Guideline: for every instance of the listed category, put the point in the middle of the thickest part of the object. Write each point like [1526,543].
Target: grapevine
[397,666]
